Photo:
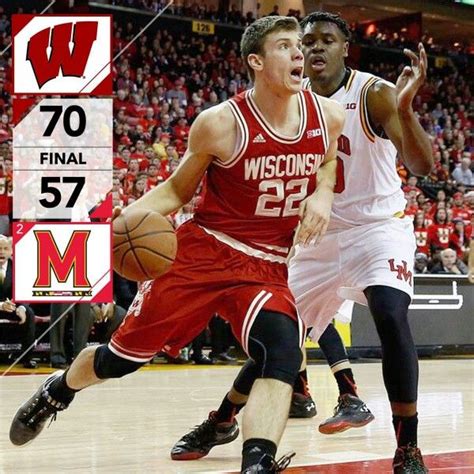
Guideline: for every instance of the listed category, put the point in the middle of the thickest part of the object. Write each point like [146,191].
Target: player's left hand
[314,214]
[411,78]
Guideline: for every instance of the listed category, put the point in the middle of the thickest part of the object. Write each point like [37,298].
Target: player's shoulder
[378,88]
[215,118]
[213,131]
[333,111]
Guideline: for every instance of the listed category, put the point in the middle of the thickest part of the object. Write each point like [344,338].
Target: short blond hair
[254,36]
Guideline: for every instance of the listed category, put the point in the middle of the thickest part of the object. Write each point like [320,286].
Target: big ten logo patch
[62,262]
[62,54]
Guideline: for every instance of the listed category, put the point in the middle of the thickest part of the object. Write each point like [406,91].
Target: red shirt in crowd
[438,235]
[421,235]
[463,213]
[458,242]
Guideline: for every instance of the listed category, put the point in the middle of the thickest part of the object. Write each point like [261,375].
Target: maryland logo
[50,259]
[62,262]
[62,54]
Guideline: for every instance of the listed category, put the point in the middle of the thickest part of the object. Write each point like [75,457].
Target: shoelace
[38,411]
[342,403]
[202,432]
[284,462]
[413,458]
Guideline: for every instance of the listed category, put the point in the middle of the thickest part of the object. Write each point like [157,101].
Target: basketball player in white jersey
[367,254]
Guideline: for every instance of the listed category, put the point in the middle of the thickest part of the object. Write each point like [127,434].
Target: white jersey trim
[241,247]
[267,127]
[275,248]
[254,308]
[322,120]
[364,112]
[122,353]
[242,140]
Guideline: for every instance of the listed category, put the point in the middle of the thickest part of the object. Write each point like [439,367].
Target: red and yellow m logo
[72,61]
[73,259]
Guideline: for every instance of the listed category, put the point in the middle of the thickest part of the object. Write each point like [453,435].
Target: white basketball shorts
[348,261]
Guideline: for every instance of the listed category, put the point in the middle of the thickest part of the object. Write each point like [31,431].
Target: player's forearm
[163,199]
[327,176]
[417,149]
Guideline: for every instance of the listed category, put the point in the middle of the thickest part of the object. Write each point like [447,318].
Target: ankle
[60,391]
[227,411]
[406,430]
[345,382]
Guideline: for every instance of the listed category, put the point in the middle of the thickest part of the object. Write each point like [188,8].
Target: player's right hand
[314,214]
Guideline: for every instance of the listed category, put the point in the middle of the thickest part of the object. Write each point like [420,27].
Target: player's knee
[389,308]
[107,365]
[246,377]
[274,346]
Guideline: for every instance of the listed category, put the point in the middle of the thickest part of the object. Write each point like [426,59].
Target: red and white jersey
[422,244]
[463,213]
[438,235]
[251,202]
[368,187]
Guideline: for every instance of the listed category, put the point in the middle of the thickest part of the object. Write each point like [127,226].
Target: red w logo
[401,270]
[74,258]
[72,63]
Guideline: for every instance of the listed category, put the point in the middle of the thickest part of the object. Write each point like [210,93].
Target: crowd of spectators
[164,80]
[158,101]
[203,10]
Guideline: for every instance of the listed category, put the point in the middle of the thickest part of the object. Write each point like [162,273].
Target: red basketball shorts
[207,277]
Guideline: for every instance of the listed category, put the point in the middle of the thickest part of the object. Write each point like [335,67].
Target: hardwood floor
[130,425]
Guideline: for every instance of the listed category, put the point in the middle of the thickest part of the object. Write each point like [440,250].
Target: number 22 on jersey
[280,199]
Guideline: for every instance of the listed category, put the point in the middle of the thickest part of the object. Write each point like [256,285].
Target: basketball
[144,245]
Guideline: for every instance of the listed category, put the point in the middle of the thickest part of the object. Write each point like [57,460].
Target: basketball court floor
[130,425]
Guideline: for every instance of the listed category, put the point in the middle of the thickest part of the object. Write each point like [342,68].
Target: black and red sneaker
[32,416]
[350,412]
[268,465]
[408,460]
[199,441]
[302,406]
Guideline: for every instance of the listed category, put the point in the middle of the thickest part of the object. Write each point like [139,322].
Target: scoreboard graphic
[62,158]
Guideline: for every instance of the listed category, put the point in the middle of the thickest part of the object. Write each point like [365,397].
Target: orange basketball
[144,245]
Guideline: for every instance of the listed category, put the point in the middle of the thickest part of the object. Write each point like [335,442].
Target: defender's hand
[411,78]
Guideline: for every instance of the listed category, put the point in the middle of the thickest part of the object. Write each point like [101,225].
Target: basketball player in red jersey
[260,152]
[368,251]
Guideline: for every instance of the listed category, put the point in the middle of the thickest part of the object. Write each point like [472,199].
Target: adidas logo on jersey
[314,133]
[259,139]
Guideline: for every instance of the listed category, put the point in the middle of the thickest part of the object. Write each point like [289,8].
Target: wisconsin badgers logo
[64,48]
[402,271]
[62,54]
